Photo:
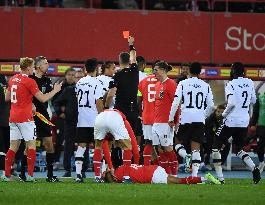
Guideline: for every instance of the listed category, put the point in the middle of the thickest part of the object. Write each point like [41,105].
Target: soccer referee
[125,85]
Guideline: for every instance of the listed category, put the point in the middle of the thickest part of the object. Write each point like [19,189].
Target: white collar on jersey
[23,74]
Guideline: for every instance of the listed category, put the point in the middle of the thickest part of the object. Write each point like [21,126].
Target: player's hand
[171,124]
[57,87]
[130,40]
[253,128]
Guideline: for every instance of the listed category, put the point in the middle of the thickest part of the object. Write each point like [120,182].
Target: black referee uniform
[126,81]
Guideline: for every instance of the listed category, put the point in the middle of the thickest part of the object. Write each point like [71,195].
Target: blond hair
[26,62]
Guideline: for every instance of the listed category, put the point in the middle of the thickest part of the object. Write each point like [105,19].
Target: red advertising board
[77,34]
[240,37]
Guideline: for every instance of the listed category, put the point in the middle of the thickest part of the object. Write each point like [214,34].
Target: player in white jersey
[240,95]
[195,94]
[108,70]
[90,103]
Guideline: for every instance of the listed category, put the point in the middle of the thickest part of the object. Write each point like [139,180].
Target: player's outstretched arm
[45,97]
[132,49]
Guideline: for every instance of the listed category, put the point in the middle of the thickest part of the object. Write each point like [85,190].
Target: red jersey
[138,173]
[147,88]
[22,89]
[164,97]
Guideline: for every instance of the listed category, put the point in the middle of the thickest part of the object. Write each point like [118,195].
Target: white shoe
[261,166]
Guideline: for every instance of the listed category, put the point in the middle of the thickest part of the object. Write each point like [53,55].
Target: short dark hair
[91,65]
[140,60]
[124,58]
[238,69]
[154,64]
[105,65]
[164,65]
[195,68]
[69,70]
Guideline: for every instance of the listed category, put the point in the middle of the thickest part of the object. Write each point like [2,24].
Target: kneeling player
[154,174]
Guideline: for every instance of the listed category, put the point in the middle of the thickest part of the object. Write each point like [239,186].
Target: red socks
[190,180]
[135,150]
[164,162]
[106,152]
[173,162]
[10,155]
[147,154]
[31,159]
[97,161]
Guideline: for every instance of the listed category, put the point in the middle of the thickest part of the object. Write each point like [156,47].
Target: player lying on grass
[154,174]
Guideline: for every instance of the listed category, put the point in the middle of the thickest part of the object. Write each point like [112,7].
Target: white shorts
[147,132]
[24,130]
[110,122]
[160,176]
[163,133]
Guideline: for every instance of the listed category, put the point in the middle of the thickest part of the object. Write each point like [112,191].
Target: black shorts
[84,135]
[238,134]
[42,129]
[191,132]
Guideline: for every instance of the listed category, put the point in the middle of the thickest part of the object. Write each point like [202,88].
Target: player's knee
[98,144]
[48,146]
[31,144]
[125,144]
[242,154]
[196,157]
[216,155]
[14,145]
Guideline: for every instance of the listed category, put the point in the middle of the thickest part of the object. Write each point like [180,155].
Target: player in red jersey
[21,90]
[165,91]
[123,134]
[146,102]
[154,174]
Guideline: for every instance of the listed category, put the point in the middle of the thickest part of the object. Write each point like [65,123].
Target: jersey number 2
[245,95]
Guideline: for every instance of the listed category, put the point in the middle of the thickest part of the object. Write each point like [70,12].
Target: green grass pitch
[235,191]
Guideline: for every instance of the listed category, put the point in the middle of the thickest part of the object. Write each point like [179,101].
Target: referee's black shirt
[45,86]
[126,81]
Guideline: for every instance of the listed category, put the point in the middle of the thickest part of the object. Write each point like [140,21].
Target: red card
[126,34]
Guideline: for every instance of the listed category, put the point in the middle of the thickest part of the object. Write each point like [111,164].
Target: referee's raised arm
[132,49]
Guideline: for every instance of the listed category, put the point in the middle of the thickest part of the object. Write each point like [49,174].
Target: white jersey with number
[88,90]
[240,95]
[196,96]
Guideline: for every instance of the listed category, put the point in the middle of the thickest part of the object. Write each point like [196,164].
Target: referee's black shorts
[42,129]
